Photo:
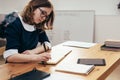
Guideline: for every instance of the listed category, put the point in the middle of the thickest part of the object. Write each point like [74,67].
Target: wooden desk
[2,49]
[99,73]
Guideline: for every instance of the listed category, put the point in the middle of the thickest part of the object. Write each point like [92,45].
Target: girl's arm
[29,58]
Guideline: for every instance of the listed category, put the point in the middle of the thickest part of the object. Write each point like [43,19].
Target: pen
[43,62]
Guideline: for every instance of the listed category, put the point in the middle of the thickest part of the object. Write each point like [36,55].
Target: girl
[26,37]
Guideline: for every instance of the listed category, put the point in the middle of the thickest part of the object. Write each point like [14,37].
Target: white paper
[76,68]
[78,44]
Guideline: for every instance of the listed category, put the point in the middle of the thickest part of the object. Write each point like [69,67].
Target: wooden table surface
[99,73]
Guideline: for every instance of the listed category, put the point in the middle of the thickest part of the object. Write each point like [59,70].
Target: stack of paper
[78,44]
[77,68]
[112,43]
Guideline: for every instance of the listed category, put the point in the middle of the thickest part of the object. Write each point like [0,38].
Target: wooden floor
[115,75]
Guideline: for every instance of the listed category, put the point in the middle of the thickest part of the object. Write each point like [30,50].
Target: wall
[107,27]
[7,6]
[77,25]
[101,7]
[107,16]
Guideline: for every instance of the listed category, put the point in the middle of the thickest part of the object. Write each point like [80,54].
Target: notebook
[78,44]
[76,68]
[112,43]
[32,75]
[57,54]
[104,47]
[92,61]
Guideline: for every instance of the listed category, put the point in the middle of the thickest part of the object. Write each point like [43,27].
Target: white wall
[81,29]
[102,7]
[7,6]
[107,27]
[107,18]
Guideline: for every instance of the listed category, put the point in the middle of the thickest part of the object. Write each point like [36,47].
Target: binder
[32,75]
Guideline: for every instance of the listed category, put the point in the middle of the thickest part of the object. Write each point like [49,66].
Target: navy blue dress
[19,38]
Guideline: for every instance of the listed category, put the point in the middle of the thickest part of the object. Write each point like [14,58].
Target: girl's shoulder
[16,24]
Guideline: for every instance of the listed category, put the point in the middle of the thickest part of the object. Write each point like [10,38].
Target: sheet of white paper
[76,68]
[59,76]
[78,44]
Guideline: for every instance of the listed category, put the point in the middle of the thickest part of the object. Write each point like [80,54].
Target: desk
[99,73]
[2,49]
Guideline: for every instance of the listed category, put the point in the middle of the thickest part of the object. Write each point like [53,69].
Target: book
[112,43]
[32,75]
[78,44]
[76,68]
[104,47]
[92,61]
[57,54]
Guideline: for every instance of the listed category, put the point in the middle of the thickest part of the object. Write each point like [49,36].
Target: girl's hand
[44,56]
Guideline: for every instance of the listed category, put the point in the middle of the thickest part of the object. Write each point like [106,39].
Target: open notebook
[57,54]
[76,68]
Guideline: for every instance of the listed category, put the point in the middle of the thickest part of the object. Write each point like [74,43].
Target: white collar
[26,26]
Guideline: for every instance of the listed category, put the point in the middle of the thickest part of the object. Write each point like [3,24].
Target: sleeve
[48,44]
[43,37]
[10,52]
[12,38]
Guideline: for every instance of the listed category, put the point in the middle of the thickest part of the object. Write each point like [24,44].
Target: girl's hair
[28,13]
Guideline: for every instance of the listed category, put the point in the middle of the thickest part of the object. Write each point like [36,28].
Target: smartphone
[96,62]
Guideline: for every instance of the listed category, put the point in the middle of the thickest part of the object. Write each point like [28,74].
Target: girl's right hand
[44,56]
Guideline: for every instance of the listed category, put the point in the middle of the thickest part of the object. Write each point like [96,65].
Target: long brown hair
[28,13]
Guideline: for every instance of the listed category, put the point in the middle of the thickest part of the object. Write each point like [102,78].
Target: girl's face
[41,14]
